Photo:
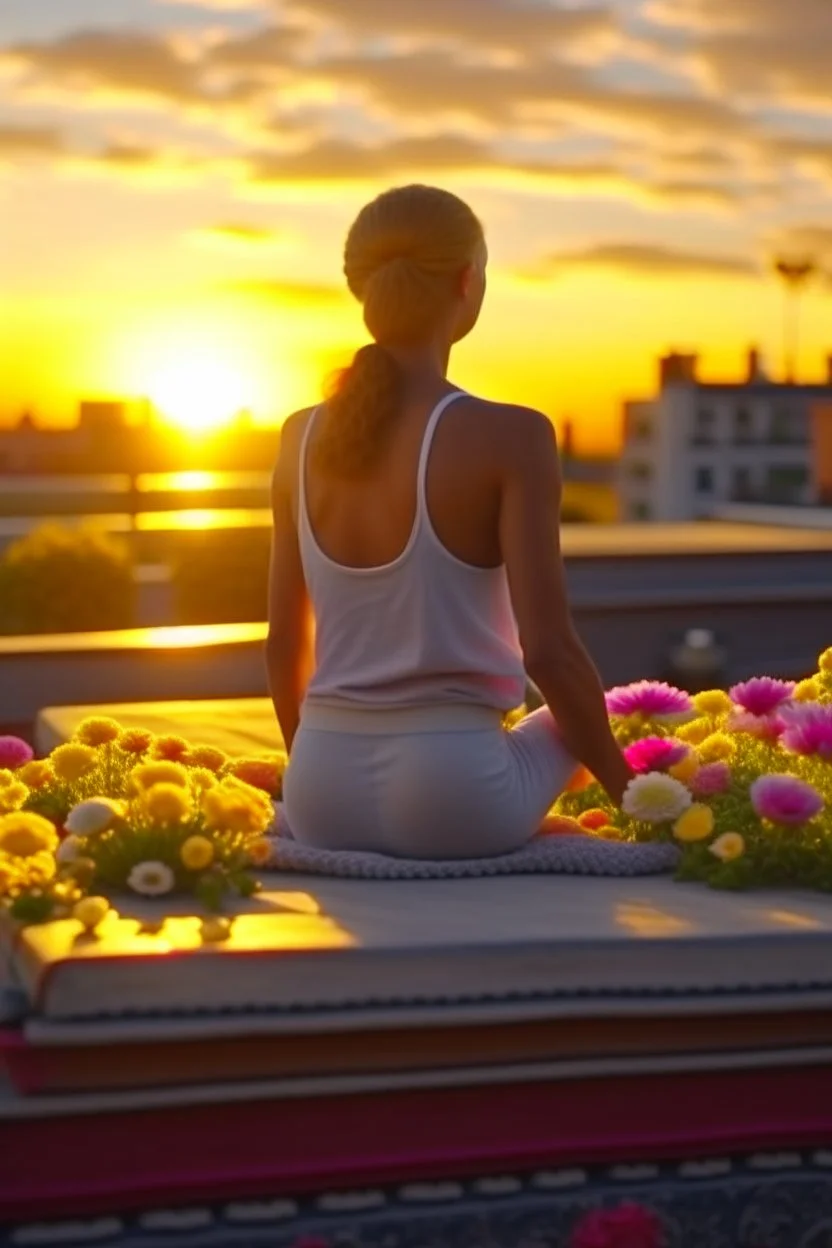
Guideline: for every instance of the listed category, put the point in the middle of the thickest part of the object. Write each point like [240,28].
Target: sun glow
[199,391]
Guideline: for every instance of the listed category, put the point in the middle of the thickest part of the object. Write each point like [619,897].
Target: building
[700,445]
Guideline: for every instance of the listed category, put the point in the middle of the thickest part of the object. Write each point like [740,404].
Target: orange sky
[176,181]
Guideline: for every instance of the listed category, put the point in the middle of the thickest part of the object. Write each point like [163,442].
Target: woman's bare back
[366,522]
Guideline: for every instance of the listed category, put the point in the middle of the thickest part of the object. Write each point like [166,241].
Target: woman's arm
[554,655]
[289,646]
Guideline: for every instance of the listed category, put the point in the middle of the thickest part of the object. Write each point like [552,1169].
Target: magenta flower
[762,695]
[655,753]
[14,752]
[710,779]
[785,799]
[808,729]
[629,1226]
[651,698]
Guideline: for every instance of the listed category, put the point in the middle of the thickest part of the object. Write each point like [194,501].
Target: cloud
[341,160]
[280,291]
[24,141]
[811,240]
[269,48]
[640,258]
[514,25]
[239,237]
[764,47]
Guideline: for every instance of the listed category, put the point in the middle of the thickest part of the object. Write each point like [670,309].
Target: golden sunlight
[198,391]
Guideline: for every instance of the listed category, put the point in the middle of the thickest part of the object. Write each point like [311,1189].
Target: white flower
[94,815]
[152,879]
[70,848]
[655,798]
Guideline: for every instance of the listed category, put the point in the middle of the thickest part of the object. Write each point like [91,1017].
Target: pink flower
[762,695]
[655,753]
[766,727]
[785,799]
[710,779]
[630,1225]
[808,729]
[652,698]
[14,752]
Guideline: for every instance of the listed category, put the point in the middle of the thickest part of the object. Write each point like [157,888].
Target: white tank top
[426,628]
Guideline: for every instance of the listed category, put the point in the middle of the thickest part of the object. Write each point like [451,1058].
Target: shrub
[223,578]
[61,580]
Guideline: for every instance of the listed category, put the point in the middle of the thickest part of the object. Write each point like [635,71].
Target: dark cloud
[23,141]
[641,258]
[269,48]
[762,47]
[115,60]
[517,25]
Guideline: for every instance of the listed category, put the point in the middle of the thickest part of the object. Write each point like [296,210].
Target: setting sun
[197,391]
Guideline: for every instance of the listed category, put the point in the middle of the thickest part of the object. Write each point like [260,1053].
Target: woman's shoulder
[505,425]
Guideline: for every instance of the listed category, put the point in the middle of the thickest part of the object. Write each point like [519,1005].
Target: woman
[416,537]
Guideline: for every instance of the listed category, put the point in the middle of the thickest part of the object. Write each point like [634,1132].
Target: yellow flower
[12,796]
[6,777]
[233,806]
[171,748]
[8,874]
[201,778]
[825,662]
[807,690]
[204,756]
[685,769]
[135,740]
[168,803]
[609,833]
[24,834]
[696,824]
[73,760]
[712,702]
[89,912]
[39,868]
[260,851]
[728,846]
[197,853]
[37,774]
[717,748]
[145,775]
[97,730]
[694,732]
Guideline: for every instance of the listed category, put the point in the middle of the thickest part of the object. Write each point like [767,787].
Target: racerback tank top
[426,628]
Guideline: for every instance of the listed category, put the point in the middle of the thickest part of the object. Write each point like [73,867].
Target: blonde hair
[402,255]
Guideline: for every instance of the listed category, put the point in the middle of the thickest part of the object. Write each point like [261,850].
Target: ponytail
[359,413]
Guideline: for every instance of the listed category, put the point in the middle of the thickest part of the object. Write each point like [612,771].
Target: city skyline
[176,181]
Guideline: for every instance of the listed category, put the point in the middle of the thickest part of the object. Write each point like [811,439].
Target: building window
[703,480]
[741,490]
[787,426]
[641,511]
[786,483]
[743,426]
[642,429]
[641,472]
[703,427]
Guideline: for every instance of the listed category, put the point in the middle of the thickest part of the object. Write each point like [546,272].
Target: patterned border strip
[291,1220]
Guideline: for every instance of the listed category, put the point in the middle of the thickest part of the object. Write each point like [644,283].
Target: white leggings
[432,782]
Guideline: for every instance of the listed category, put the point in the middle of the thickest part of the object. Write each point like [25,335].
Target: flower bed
[741,781]
[122,810]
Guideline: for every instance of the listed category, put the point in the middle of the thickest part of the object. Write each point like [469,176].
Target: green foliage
[222,578]
[61,580]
